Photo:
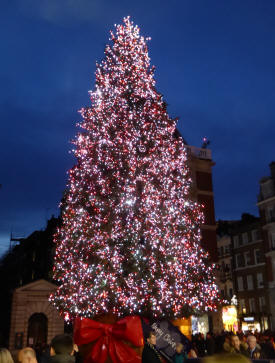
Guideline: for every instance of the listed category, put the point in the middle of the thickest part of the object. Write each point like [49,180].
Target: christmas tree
[130,238]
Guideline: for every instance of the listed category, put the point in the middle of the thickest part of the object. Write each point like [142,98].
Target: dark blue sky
[215,66]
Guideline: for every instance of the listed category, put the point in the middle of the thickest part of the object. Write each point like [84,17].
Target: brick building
[266,205]
[201,172]
[225,277]
[250,274]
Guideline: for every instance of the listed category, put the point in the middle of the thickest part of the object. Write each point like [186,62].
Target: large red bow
[109,338]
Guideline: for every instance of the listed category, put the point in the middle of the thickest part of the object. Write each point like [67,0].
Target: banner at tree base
[107,339]
[119,342]
[167,336]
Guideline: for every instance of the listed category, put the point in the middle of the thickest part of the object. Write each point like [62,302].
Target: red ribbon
[109,338]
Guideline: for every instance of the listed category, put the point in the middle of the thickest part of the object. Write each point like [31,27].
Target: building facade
[201,164]
[225,277]
[34,321]
[250,275]
[266,205]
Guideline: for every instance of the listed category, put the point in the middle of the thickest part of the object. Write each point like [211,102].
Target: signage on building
[249,318]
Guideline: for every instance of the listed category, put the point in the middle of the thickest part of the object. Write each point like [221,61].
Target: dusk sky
[215,66]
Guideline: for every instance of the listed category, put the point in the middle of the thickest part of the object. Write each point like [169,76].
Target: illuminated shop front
[250,323]
[229,318]
[193,325]
[184,325]
[200,324]
[254,322]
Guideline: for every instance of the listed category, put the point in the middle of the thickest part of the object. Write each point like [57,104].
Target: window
[239,260]
[221,251]
[257,254]
[262,303]
[247,258]
[240,283]
[242,306]
[267,188]
[272,241]
[250,285]
[245,238]
[236,241]
[252,305]
[227,250]
[270,214]
[256,235]
[260,281]
[231,292]
[240,241]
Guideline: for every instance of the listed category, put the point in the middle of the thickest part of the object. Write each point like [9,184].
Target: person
[179,356]
[210,344]
[226,358]
[62,349]
[27,355]
[253,350]
[236,346]
[150,353]
[200,344]
[5,356]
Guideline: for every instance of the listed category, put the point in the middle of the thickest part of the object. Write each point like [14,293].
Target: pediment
[39,285]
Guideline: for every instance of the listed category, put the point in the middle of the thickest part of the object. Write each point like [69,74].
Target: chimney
[272,169]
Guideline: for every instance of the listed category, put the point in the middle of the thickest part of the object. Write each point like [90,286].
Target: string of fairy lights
[130,237]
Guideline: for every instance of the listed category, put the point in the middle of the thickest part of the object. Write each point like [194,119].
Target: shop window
[250,282]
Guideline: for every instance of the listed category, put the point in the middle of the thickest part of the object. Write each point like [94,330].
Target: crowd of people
[225,347]
[61,350]
[255,346]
